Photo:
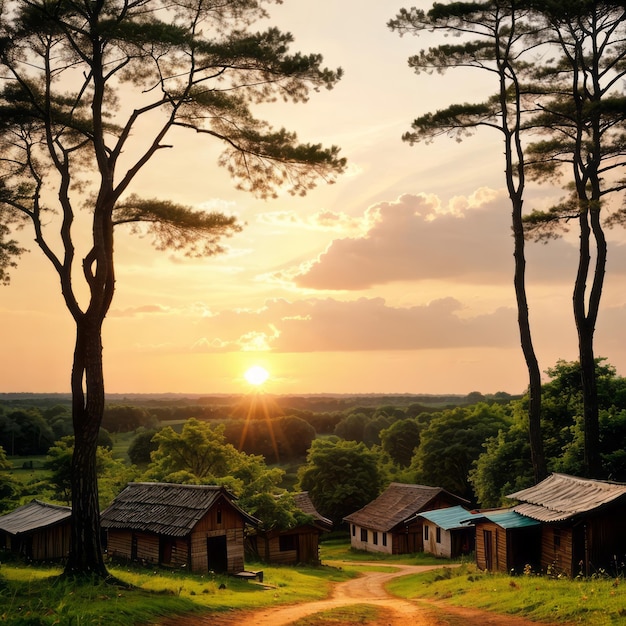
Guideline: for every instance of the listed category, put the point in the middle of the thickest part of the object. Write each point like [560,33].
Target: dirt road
[366,589]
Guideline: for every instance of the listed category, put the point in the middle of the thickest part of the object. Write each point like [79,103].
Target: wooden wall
[305,541]
[51,543]
[222,520]
[557,549]
[496,547]
[511,549]
[409,539]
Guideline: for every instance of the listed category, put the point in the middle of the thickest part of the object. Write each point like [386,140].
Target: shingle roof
[165,508]
[506,518]
[396,505]
[32,516]
[304,503]
[561,496]
[448,519]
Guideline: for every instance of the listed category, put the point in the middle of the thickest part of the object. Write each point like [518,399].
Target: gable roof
[450,518]
[33,516]
[165,508]
[505,518]
[560,497]
[305,504]
[396,505]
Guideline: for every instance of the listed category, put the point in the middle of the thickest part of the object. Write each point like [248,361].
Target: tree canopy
[91,94]
[340,476]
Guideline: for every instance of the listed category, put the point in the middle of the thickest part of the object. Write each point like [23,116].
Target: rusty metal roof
[33,516]
[561,497]
[397,504]
[304,503]
[165,508]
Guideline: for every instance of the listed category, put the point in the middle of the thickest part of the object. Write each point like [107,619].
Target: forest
[343,450]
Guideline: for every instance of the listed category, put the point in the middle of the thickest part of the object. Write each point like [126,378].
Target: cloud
[139,310]
[416,238]
[322,220]
[329,325]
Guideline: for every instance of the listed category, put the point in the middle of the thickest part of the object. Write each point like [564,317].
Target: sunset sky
[396,279]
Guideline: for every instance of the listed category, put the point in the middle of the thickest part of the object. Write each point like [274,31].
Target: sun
[256,375]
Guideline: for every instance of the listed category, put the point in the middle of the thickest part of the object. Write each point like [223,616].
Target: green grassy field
[593,602]
[36,596]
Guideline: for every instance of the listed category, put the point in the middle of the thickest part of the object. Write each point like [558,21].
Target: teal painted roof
[448,518]
[507,519]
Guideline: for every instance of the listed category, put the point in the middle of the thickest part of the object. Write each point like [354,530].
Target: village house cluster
[564,524]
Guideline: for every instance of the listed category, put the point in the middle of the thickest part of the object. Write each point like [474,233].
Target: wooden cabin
[199,527]
[446,532]
[390,524]
[506,541]
[37,531]
[582,522]
[295,545]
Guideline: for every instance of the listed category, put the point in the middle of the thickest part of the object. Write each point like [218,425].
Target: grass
[35,595]
[593,602]
[338,549]
[345,616]
[23,471]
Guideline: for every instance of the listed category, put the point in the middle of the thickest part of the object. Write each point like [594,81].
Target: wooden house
[295,545]
[506,541]
[37,530]
[389,523]
[582,522]
[446,532]
[195,526]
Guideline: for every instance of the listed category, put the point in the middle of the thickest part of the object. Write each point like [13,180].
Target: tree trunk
[585,326]
[537,454]
[85,556]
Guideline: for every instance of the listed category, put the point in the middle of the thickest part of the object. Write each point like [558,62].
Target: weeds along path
[368,588]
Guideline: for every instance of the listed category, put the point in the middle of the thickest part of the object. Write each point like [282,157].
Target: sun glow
[256,375]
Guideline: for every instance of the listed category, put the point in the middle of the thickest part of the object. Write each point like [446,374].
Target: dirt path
[369,588]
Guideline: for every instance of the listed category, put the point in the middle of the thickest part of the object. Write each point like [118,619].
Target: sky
[395,279]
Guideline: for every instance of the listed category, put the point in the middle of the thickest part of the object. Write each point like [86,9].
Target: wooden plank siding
[215,543]
[408,540]
[505,550]
[557,549]
[298,545]
[48,544]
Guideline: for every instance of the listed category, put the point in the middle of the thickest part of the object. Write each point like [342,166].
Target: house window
[384,539]
[425,533]
[364,535]
[353,530]
[375,538]
[219,516]
[438,534]
[557,538]
[286,543]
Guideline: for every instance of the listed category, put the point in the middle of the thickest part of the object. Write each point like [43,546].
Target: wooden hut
[195,526]
[506,541]
[295,545]
[37,530]
[582,522]
[446,532]
[389,523]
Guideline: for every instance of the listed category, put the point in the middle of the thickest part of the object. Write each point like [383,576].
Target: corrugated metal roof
[397,504]
[165,508]
[449,518]
[561,497]
[507,518]
[32,516]
[305,504]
